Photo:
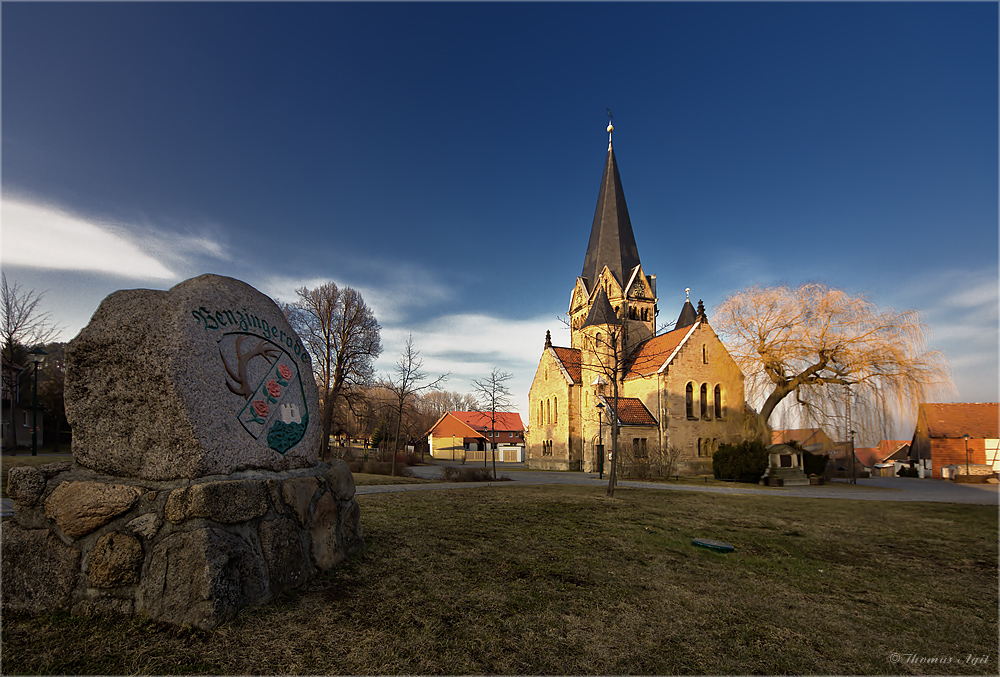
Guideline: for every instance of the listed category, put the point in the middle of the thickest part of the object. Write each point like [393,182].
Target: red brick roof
[803,436]
[570,358]
[507,421]
[887,448]
[978,420]
[651,354]
[867,456]
[631,411]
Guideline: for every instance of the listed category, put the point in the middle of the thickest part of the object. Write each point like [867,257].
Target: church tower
[612,289]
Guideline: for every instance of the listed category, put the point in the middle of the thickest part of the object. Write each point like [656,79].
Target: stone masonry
[195,489]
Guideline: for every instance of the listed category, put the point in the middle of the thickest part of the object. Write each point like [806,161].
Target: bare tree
[801,341]
[23,324]
[405,382]
[343,337]
[493,396]
[607,349]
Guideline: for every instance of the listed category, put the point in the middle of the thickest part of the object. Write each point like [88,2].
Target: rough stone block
[39,572]
[25,485]
[288,564]
[298,494]
[81,507]
[207,378]
[201,578]
[326,551]
[115,560]
[145,525]
[354,537]
[228,501]
[341,480]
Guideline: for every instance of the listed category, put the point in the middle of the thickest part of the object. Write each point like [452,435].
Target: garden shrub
[468,474]
[744,462]
[905,471]
[813,464]
[379,468]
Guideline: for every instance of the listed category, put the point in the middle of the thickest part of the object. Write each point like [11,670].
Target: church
[677,396]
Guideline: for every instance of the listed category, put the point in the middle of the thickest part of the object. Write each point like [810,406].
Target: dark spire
[601,311]
[688,315]
[612,243]
[701,311]
[548,339]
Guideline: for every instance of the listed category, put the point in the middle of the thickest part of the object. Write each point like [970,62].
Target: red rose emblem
[285,372]
[273,389]
[260,406]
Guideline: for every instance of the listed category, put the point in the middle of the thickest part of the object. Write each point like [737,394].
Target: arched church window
[689,400]
[555,408]
[548,411]
[704,400]
[718,401]
[704,354]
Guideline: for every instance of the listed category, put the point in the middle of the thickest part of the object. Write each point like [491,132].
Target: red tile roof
[978,420]
[478,420]
[631,411]
[868,456]
[803,436]
[650,355]
[570,358]
[887,448]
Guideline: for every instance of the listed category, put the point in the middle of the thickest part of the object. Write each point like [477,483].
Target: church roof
[612,242]
[687,317]
[650,355]
[631,411]
[601,311]
[570,358]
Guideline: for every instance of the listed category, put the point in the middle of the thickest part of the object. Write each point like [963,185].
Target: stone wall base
[185,552]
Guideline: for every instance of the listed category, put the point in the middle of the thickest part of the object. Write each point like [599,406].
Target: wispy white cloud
[400,291]
[47,237]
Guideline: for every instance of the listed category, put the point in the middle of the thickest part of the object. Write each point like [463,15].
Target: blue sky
[445,159]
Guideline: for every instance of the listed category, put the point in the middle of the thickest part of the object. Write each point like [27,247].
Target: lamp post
[600,440]
[37,355]
[966,438]
[854,476]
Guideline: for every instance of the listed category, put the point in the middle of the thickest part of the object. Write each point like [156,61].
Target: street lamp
[37,355]
[966,438]
[854,475]
[600,440]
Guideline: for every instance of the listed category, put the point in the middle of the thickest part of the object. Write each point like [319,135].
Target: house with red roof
[679,393]
[471,435]
[965,435]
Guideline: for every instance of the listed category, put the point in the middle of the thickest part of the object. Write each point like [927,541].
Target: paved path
[873,489]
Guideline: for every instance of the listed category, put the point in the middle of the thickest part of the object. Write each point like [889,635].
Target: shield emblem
[269,400]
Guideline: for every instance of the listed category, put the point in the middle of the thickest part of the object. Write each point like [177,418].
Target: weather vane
[611,127]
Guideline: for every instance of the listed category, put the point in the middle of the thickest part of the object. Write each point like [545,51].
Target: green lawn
[562,580]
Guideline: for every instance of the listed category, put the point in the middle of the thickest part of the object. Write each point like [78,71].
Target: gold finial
[687,291]
[611,127]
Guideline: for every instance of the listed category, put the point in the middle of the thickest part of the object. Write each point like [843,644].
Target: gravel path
[873,489]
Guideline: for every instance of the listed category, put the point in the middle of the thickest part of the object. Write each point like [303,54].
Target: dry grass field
[562,580]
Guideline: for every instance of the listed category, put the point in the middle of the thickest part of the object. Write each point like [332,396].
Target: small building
[939,437]
[465,436]
[813,440]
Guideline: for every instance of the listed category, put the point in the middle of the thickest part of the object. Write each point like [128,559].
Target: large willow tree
[811,341]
